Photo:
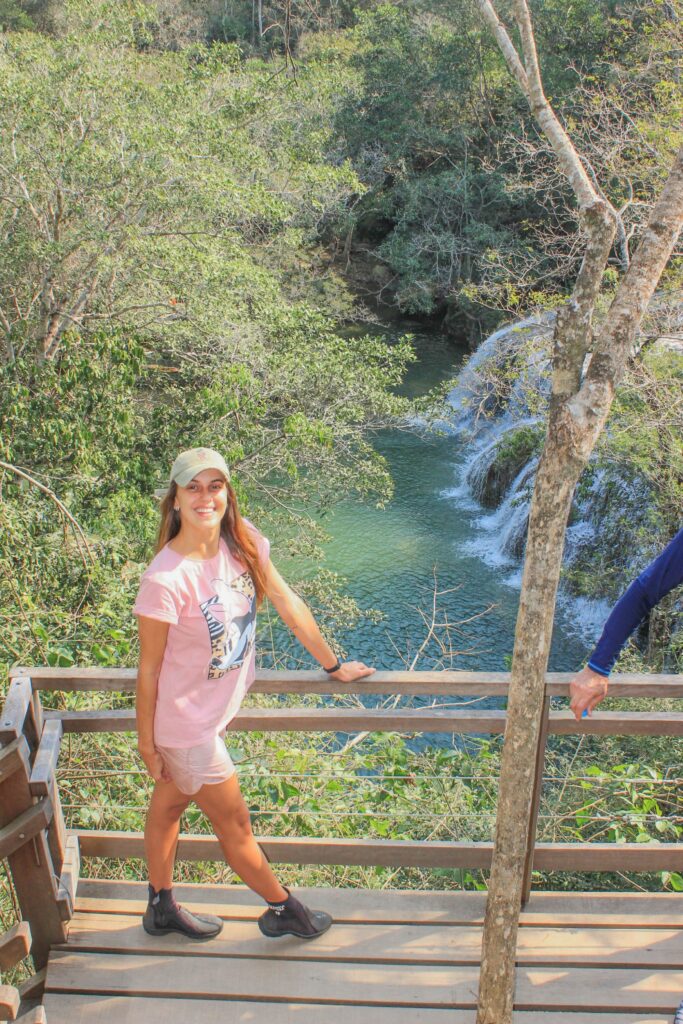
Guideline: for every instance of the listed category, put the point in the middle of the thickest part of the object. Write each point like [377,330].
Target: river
[430,536]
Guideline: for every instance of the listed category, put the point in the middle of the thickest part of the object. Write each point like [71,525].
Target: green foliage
[160,274]
[632,491]
[463,197]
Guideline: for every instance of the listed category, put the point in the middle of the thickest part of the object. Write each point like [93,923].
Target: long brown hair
[234,531]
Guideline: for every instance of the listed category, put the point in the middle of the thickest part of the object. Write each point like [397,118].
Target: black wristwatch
[335,668]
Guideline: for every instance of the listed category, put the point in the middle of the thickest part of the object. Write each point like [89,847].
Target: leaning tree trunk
[578,412]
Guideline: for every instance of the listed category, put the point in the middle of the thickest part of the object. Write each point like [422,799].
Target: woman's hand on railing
[586,690]
[154,764]
[352,670]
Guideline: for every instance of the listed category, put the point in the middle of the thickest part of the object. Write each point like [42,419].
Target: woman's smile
[205,499]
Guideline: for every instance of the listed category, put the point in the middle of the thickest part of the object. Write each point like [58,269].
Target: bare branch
[529,80]
[506,45]
[615,341]
[81,539]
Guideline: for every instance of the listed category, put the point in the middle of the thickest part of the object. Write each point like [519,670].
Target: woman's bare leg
[225,808]
[161,832]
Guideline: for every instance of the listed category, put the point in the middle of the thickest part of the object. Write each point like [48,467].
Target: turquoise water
[427,538]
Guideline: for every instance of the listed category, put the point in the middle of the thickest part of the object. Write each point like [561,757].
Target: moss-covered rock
[512,453]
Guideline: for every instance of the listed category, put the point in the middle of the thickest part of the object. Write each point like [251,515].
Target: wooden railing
[44,860]
[18,1003]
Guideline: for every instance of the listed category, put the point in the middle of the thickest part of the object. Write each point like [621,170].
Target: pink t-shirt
[208,664]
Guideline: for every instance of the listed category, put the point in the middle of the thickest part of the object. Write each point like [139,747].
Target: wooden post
[23,822]
[16,707]
[43,783]
[535,802]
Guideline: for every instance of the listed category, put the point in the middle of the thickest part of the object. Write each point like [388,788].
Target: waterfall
[478,470]
[472,399]
[515,511]
[485,414]
[481,468]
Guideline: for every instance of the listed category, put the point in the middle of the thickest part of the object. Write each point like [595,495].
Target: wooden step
[366,984]
[544,910]
[85,1009]
[388,943]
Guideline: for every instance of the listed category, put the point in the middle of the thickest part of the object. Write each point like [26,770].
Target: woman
[196,610]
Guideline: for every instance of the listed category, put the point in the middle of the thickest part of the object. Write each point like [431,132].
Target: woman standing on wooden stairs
[196,610]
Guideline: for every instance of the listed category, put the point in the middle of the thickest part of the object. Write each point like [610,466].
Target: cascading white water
[485,422]
[480,467]
[468,399]
[515,511]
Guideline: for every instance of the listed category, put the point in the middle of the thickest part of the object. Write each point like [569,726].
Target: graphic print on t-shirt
[231,641]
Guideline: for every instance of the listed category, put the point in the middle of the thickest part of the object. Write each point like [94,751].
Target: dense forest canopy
[194,198]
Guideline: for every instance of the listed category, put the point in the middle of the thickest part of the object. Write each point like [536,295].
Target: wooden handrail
[455,684]
[400,852]
[402,720]
[32,831]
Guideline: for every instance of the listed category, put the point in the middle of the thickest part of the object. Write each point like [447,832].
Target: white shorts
[205,764]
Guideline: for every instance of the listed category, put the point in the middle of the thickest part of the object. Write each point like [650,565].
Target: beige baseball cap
[193,461]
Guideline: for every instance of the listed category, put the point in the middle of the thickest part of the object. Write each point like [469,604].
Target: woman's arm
[589,687]
[295,613]
[153,635]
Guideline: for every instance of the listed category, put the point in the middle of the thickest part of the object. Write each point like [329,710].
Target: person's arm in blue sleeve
[589,687]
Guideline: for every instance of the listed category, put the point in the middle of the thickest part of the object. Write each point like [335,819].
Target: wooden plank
[43,783]
[45,762]
[68,881]
[14,757]
[15,710]
[33,726]
[403,720]
[15,945]
[24,827]
[608,857]
[618,723]
[276,681]
[405,853]
[547,988]
[36,1015]
[383,943]
[301,851]
[56,835]
[308,720]
[9,1002]
[240,903]
[34,987]
[388,985]
[85,1009]
[31,869]
[399,906]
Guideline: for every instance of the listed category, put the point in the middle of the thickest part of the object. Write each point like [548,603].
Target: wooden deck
[391,958]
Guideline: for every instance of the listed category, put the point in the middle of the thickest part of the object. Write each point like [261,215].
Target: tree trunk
[556,479]
[577,415]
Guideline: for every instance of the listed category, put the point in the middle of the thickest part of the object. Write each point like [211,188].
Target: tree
[161,285]
[138,187]
[580,402]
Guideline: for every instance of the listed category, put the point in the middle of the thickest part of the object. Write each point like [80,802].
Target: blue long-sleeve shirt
[654,583]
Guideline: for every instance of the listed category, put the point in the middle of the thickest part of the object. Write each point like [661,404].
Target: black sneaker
[293,918]
[164,915]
